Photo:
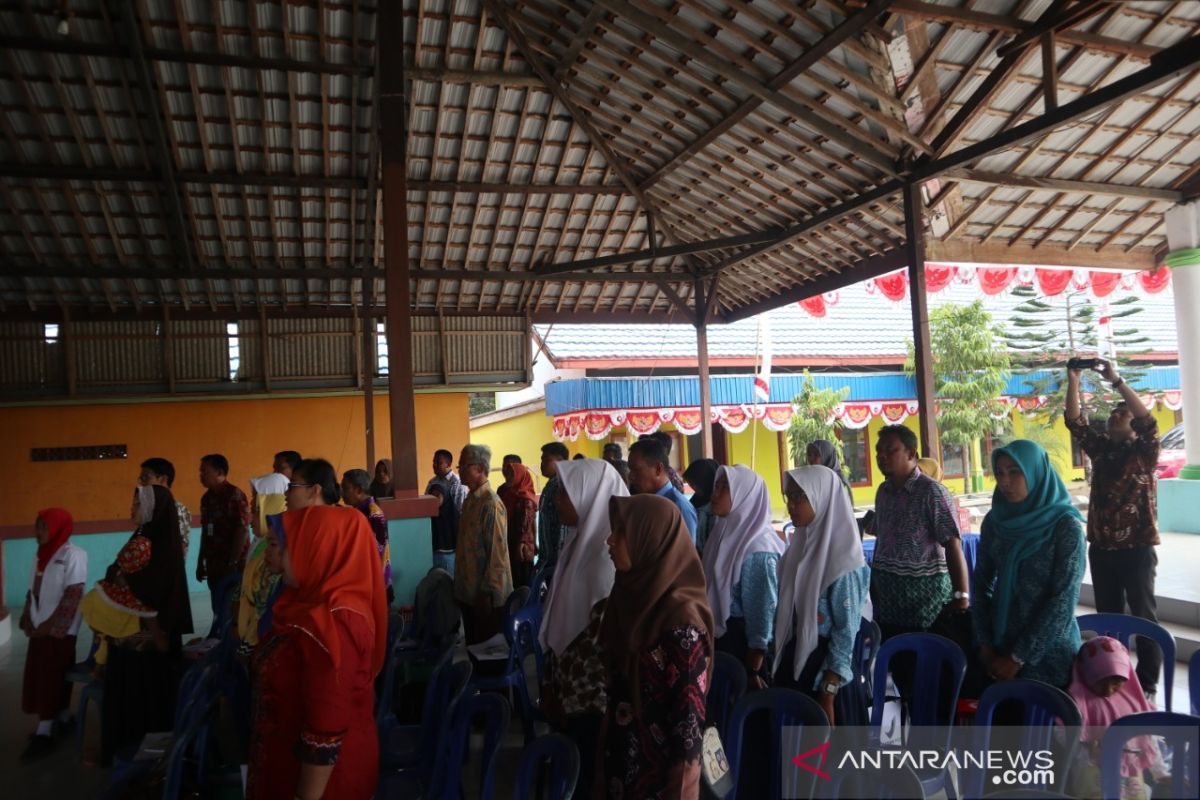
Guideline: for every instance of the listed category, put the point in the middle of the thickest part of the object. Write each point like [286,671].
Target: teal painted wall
[101,549]
[411,541]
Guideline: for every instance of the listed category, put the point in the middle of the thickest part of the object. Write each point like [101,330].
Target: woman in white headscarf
[574,698]
[824,584]
[741,559]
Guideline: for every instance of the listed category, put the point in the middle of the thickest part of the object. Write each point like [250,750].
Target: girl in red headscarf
[51,621]
[313,728]
[521,503]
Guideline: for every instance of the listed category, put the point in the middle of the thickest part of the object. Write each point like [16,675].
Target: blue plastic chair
[416,746]
[549,769]
[1194,682]
[867,642]
[386,688]
[808,726]
[935,655]
[92,692]
[539,585]
[1124,627]
[883,784]
[521,632]
[1042,708]
[729,681]
[1181,735]
[494,713]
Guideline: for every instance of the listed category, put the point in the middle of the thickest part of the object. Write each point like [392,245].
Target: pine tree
[1047,331]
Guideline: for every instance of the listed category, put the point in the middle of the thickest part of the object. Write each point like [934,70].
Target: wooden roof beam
[78,47]
[1063,185]
[849,27]
[984,21]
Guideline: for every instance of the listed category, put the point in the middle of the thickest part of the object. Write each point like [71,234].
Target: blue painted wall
[411,559]
[564,397]
[101,549]
[412,555]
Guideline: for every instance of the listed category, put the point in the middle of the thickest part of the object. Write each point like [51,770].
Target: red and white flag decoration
[995,279]
[762,381]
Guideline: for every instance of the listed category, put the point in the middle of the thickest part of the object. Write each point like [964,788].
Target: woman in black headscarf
[142,674]
[701,475]
[823,452]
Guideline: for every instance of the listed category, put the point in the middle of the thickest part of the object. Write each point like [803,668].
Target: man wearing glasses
[482,573]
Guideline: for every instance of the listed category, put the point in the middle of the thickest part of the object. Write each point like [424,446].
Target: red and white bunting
[597,425]
[994,279]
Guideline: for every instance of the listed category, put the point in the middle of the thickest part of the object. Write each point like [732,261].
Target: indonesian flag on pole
[762,381]
[1107,346]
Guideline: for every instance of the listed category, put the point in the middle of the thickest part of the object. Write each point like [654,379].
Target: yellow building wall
[526,434]
[247,431]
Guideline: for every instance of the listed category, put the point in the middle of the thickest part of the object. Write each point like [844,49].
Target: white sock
[45,727]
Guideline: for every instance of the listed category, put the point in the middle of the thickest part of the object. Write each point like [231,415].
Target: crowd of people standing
[645,585]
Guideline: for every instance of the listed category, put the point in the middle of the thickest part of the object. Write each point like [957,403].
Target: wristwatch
[829,687]
[962,595]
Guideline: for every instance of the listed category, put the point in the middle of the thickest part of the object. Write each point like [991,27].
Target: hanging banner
[814,305]
[1103,283]
[1053,282]
[938,277]
[893,286]
[994,280]
[1155,281]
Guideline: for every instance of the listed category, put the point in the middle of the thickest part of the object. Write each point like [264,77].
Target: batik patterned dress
[652,749]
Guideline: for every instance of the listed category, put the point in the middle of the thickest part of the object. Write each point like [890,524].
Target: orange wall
[247,431]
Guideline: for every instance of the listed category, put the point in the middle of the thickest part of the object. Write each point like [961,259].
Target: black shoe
[63,728]
[38,747]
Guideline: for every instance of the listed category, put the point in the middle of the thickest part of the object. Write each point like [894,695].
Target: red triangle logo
[822,750]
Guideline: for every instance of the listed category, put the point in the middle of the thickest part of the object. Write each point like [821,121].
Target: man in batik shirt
[224,525]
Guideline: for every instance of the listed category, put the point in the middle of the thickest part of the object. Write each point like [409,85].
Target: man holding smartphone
[1122,527]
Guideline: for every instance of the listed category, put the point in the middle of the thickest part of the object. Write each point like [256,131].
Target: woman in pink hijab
[1106,688]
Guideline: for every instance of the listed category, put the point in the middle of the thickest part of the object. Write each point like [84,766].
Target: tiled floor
[63,774]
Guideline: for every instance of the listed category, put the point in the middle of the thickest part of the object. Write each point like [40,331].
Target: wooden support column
[914,230]
[369,363]
[706,432]
[168,345]
[392,142]
[264,349]
[70,362]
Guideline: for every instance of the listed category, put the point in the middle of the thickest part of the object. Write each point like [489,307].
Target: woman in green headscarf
[1028,570]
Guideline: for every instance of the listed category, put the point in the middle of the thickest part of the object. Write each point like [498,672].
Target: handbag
[714,766]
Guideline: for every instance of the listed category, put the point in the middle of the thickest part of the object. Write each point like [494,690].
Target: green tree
[481,403]
[813,419]
[1047,331]
[970,373]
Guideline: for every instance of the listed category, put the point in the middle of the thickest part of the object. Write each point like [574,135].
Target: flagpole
[754,393]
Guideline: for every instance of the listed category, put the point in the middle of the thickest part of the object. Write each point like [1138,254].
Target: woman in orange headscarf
[313,728]
[520,501]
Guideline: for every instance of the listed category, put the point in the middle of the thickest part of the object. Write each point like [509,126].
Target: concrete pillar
[1183,237]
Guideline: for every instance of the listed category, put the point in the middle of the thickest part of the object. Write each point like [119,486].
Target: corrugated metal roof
[582,394]
[279,158]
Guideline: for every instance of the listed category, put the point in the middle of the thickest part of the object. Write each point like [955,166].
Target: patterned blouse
[655,752]
[481,565]
[1123,509]
[839,616]
[379,526]
[185,526]
[755,596]
[1042,630]
[912,526]
[575,680]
